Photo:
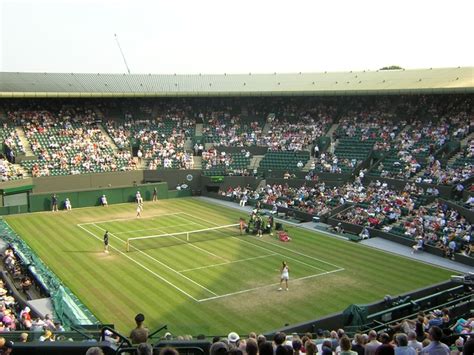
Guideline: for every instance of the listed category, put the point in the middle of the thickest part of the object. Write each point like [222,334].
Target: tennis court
[192,254]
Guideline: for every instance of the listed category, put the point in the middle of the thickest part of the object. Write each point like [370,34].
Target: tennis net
[193,236]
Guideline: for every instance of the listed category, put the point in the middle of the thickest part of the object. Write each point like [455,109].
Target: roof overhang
[381,82]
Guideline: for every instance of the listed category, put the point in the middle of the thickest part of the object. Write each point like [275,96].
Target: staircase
[463,145]
[198,129]
[268,126]
[25,172]
[406,128]
[197,162]
[261,184]
[24,141]
[331,130]
[154,111]
[307,167]
[255,162]
[98,113]
[108,138]
[466,140]
[188,145]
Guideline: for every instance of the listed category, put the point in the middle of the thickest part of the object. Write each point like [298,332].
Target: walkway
[377,243]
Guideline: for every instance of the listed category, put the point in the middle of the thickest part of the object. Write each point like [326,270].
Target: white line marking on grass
[156,228]
[230,262]
[161,263]
[142,266]
[266,286]
[285,256]
[130,218]
[278,246]
[297,252]
[195,246]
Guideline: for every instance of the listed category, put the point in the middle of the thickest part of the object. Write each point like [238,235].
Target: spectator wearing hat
[233,339]
[139,334]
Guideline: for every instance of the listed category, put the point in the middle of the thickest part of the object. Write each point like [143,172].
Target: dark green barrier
[179,193]
[87,198]
[13,210]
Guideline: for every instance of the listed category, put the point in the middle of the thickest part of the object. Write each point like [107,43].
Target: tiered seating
[284,160]
[297,133]
[9,137]
[414,151]
[8,172]
[217,164]
[441,226]
[69,142]
[357,137]
[225,130]
[160,140]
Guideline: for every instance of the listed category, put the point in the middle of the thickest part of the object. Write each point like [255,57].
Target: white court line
[279,246]
[142,266]
[134,218]
[266,286]
[291,251]
[195,246]
[149,229]
[285,256]
[230,262]
[161,263]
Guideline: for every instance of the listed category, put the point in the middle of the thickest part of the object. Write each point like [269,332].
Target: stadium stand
[397,137]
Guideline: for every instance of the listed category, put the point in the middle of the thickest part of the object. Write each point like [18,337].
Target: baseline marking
[266,286]
[142,266]
[161,263]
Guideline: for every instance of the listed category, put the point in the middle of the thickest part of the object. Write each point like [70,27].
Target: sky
[233,36]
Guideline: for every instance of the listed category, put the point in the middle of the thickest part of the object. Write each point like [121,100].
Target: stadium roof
[444,80]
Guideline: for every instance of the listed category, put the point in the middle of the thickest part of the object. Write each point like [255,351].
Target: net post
[187,236]
[128,245]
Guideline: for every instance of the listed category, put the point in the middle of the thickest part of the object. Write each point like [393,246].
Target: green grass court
[209,282]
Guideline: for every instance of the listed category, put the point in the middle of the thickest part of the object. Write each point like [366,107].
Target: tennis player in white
[285,275]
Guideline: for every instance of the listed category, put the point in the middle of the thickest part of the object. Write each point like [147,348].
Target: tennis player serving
[285,275]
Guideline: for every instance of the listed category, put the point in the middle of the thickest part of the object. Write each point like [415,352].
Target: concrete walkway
[377,243]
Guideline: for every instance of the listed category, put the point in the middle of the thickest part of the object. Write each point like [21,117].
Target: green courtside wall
[88,198]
